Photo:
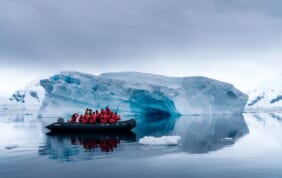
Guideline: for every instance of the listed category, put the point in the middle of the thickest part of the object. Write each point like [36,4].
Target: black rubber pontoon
[92,135]
[121,126]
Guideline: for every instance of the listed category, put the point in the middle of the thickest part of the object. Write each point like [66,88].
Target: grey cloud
[95,31]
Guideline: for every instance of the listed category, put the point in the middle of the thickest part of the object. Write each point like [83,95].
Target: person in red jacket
[87,116]
[73,118]
[112,119]
[108,110]
[84,120]
[86,111]
[116,117]
[102,111]
[80,119]
[98,120]
[103,119]
[107,117]
[93,118]
[84,116]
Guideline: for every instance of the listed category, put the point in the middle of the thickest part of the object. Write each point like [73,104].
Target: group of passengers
[104,117]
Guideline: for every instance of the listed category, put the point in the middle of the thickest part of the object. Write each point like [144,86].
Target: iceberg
[164,140]
[133,93]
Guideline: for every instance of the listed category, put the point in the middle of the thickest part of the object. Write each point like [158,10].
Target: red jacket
[103,120]
[74,117]
[80,118]
[92,119]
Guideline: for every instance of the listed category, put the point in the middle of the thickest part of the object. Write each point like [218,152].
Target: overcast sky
[234,41]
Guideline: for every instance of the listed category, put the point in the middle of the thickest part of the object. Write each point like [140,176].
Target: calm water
[228,146]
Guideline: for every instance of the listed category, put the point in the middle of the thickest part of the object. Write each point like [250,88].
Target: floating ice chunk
[228,139]
[164,140]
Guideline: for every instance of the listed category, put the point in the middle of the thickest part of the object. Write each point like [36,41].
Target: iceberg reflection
[202,134]
[154,126]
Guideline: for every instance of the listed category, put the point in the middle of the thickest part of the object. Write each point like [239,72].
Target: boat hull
[70,127]
[98,136]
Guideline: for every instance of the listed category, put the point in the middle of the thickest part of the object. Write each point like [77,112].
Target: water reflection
[18,117]
[253,141]
[202,134]
[267,124]
[19,132]
[154,126]
[276,116]
[65,146]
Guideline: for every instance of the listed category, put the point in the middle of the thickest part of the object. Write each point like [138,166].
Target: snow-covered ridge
[139,93]
[267,97]
[32,94]
[29,98]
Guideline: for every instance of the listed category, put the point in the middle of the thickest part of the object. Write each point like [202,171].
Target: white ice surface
[164,140]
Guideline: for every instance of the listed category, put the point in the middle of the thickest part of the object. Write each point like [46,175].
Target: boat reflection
[74,146]
[105,145]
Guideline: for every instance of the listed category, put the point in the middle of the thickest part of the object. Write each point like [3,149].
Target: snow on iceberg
[164,140]
[139,93]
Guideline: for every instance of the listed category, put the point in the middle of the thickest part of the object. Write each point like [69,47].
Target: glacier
[133,93]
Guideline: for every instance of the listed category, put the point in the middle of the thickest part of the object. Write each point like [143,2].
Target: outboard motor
[60,120]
